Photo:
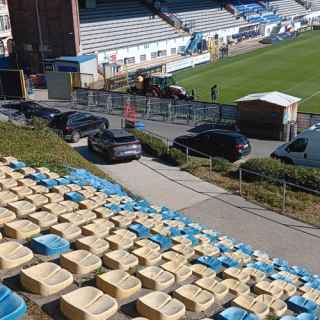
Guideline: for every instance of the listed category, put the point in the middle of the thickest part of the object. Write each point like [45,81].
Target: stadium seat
[78,217]
[118,284]
[56,208]
[13,254]
[21,229]
[207,250]
[88,303]
[103,212]
[6,216]
[147,243]
[12,306]
[165,243]
[234,313]
[117,241]
[101,229]
[21,208]
[155,278]
[120,259]
[49,244]
[66,230]
[251,304]
[255,275]
[22,191]
[80,262]
[219,289]
[121,221]
[69,205]
[158,305]
[237,274]
[300,304]
[147,256]
[210,262]
[179,269]
[184,250]
[93,244]
[194,298]
[277,306]
[54,197]
[43,219]
[7,196]
[38,200]
[266,287]
[202,271]
[174,256]
[45,279]
[236,287]
[182,240]
[288,288]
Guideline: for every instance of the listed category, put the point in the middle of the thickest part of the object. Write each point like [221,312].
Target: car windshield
[125,139]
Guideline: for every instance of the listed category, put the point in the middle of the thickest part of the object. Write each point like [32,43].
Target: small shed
[269,115]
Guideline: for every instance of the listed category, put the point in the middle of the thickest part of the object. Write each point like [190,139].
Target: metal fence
[153,108]
[306,120]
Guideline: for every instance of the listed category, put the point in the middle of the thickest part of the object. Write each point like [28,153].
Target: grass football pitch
[292,67]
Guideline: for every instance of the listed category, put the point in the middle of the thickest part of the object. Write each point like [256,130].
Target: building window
[162,53]
[181,48]
[143,58]
[130,60]
[173,50]
[2,49]
[146,46]
[4,23]
[154,55]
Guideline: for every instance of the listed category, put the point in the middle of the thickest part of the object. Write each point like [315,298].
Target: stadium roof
[275,97]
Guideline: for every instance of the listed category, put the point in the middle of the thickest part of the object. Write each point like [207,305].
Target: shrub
[301,176]
[221,165]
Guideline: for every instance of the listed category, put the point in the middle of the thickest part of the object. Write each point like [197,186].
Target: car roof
[224,132]
[119,133]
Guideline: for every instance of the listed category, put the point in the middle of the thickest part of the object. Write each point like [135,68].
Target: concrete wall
[44,29]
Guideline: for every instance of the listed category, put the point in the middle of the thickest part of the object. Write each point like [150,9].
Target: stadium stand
[112,24]
[288,8]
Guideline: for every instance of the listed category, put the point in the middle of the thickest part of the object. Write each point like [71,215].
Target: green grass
[292,67]
[41,148]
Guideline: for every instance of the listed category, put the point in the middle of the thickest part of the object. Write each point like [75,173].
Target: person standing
[214,93]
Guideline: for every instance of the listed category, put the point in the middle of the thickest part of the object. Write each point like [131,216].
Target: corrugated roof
[78,59]
[275,97]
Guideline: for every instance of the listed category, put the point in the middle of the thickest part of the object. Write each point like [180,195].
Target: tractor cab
[161,82]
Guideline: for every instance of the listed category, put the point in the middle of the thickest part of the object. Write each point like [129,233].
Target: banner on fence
[129,113]
[187,62]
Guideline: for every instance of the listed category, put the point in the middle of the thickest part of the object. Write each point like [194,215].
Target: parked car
[74,125]
[32,109]
[116,144]
[303,150]
[216,143]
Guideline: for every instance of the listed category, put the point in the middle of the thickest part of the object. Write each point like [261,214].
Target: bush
[302,176]
[221,165]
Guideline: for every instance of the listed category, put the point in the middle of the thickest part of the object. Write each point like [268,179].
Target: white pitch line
[310,97]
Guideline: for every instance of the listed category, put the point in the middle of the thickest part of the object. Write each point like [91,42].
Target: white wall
[223,33]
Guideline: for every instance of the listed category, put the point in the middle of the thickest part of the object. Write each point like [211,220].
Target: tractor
[160,85]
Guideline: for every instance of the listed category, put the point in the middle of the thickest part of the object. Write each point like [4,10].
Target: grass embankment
[299,205]
[291,67]
[40,147]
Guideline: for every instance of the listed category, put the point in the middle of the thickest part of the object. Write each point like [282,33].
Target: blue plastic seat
[49,244]
[174,231]
[63,181]
[49,183]
[307,316]
[12,306]
[113,207]
[190,231]
[234,313]
[16,165]
[210,262]
[165,243]
[74,196]
[300,304]
[223,248]
[277,276]
[278,263]
[38,176]
[229,262]
[140,230]
[259,265]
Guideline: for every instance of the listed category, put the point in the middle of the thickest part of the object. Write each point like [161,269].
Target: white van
[303,150]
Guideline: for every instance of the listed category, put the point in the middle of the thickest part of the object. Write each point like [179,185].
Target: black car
[216,143]
[32,109]
[115,144]
[74,125]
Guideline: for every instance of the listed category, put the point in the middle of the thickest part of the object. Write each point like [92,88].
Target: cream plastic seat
[174,256]
[69,205]
[80,261]
[13,254]
[7,196]
[147,243]
[54,197]
[26,182]
[121,221]
[14,175]
[120,259]
[6,215]
[184,250]
[236,287]
[207,250]
[38,189]
[182,240]
[89,204]
[43,219]
[52,175]
[22,208]
[212,285]
[147,256]
[203,239]
[251,304]
[227,243]
[37,199]
[61,189]
[174,223]
[242,258]
[194,298]
[149,223]
[21,229]
[119,242]
[103,212]
[88,303]
[289,275]
[118,284]
[237,274]
[288,288]
[125,234]
[74,187]
[66,230]
[45,278]
[307,289]
[277,306]
[93,244]
[181,271]
[313,295]
[160,306]
[22,191]
[55,208]
[27,170]
[8,183]
[5,161]
[255,274]
[155,278]
[78,217]
[87,193]
[162,230]
[101,229]
[266,287]
[202,271]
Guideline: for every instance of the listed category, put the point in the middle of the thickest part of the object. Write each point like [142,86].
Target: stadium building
[5,29]
[125,32]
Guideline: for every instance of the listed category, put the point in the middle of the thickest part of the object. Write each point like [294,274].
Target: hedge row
[302,176]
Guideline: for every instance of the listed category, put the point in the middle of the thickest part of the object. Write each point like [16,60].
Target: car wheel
[75,136]
[286,160]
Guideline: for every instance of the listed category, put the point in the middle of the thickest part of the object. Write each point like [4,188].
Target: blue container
[49,245]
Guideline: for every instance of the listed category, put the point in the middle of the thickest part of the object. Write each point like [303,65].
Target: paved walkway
[165,185]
